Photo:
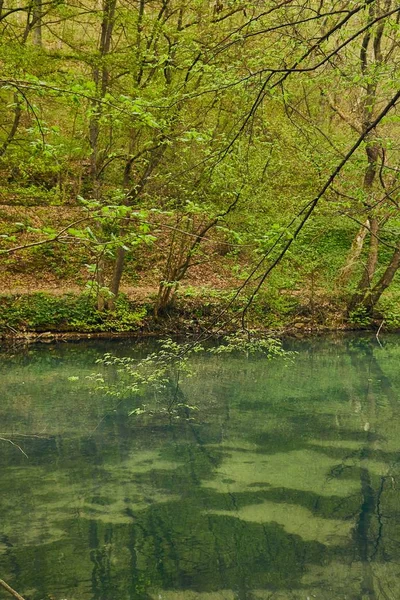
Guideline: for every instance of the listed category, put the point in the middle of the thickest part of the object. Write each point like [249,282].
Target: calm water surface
[285,485]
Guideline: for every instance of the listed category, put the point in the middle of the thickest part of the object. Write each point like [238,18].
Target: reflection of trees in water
[172,506]
[369,530]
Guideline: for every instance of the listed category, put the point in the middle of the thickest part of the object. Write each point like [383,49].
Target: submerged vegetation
[163,148]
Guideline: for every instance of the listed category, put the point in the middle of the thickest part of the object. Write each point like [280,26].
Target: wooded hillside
[246,152]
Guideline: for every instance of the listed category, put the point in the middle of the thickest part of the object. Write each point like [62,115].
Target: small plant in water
[153,382]
[154,379]
[249,342]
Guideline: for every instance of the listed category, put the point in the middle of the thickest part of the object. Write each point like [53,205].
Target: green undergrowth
[193,310]
[43,312]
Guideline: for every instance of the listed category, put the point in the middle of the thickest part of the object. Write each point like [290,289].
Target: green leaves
[252,342]
[157,377]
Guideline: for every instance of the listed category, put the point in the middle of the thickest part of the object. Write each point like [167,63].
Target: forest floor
[42,299]
[44,291]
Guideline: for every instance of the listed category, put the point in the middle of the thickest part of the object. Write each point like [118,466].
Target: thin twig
[54,238]
[378,332]
[41,436]
[10,590]
[16,445]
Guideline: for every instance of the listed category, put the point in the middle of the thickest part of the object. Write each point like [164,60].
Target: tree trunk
[37,23]
[366,280]
[370,57]
[364,287]
[386,278]
[165,295]
[14,127]
[116,277]
[100,285]
[130,198]
[101,78]
[93,138]
[354,255]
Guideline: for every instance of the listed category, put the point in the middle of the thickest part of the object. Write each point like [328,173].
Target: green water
[284,486]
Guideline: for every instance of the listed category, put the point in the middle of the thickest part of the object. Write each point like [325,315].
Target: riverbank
[45,317]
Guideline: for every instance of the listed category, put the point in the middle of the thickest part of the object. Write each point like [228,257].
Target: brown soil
[63,271]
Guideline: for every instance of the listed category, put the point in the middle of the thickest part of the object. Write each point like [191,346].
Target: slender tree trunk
[364,287]
[369,271]
[370,57]
[131,197]
[372,152]
[37,23]
[165,295]
[354,254]
[93,140]
[101,79]
[101,303]
[180,257]
[386,279]
[116,277]
[10,590]
[365,283]
[14,127]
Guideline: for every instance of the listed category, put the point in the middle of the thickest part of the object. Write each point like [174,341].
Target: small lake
[284,484]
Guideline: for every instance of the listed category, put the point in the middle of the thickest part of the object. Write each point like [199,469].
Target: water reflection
[285,487]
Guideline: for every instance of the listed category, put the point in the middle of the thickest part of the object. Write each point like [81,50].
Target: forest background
[185,164]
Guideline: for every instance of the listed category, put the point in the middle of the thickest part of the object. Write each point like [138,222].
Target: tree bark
[372,150]
[386,279]
[37,23]
[365,282]
[101,303]
[363,292]
[354,254]
[130,198]
[370,267]
[101,78]
[116,277]
[14,127]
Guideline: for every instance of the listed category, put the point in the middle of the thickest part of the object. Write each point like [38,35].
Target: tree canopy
[189,131]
